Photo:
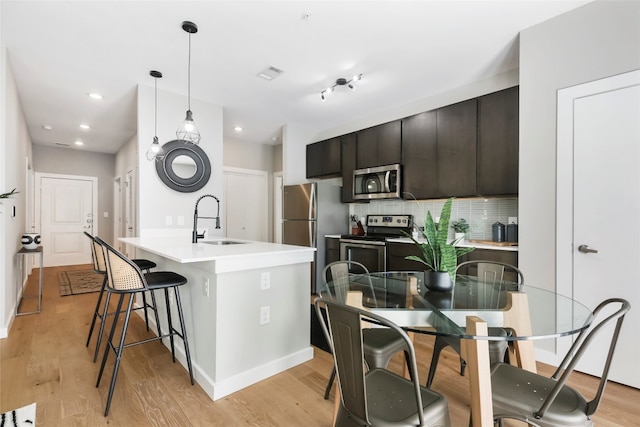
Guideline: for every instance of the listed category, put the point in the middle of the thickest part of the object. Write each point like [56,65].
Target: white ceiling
[408,50]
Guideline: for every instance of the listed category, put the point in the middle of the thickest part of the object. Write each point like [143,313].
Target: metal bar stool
[99,267]
[126,278]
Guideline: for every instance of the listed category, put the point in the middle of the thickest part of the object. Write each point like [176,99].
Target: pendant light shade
[155,151]
[188,131]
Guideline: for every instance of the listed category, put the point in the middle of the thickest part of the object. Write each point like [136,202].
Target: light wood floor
[45,360]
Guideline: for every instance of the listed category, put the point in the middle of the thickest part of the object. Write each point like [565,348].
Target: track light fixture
[155,151]
[341,82]
[188,131]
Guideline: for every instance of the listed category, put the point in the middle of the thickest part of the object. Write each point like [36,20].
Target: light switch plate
[513,220]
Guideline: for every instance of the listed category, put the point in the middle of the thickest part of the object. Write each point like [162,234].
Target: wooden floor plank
[45,360]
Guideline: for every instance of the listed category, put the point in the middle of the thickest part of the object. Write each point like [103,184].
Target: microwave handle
[387,183]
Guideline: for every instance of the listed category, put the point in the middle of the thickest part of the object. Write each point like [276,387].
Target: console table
[21,258]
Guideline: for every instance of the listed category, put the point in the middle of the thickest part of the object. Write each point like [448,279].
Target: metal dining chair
[492,274]
[546,402]
[376,397]
[380,344]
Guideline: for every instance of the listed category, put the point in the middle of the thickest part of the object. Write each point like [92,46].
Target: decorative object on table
[21,417]
[497,232]
[460,227]
[188,131]
[9,194]
[438,254]
[512,232]
[30,241]
[155,151]
[76,282]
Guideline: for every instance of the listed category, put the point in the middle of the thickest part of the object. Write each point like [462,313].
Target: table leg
[476,354]
[516,317]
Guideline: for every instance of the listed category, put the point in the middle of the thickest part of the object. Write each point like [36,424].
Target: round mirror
[185,167]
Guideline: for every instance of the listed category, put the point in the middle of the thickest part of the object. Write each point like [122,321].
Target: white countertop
[180,249]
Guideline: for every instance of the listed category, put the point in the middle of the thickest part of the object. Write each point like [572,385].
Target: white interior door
[66,211]
[606,212]
[245,204]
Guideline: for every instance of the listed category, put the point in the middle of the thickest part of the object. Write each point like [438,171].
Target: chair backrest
[493,271]
[123,274]
[97,255]
[336,279]
[580,346]
[345,337]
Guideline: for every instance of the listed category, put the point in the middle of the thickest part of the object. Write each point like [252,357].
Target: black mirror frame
[164,167]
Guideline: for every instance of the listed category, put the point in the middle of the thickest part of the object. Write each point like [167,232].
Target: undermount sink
[222,242]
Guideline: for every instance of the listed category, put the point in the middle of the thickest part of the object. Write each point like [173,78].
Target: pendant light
[155,151]
[188,131]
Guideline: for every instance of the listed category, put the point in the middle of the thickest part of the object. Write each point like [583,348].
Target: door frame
[565,181]
[37,214]
[278,183]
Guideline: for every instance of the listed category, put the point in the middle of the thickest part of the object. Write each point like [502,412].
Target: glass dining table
[466,312]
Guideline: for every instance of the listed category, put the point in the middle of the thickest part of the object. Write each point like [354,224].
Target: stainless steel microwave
[383,182]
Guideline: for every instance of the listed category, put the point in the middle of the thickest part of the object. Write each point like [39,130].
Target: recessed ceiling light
[238,129]
[47,127]
[83,126]
[79,142]
[94,95]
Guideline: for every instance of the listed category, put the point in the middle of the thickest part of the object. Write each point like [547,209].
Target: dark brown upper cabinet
[379,145]
[498,143]
[324,158]
[348,166]
[419,156]
[456,149]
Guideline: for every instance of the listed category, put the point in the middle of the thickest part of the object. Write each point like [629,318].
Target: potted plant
[438,254]
[460,228]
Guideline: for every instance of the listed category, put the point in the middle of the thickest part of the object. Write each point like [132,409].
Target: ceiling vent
[270,73]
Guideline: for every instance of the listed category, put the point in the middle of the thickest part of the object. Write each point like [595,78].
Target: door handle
[585,249]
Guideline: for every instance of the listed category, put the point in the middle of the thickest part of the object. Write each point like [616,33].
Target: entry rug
[25,416]
[75,282]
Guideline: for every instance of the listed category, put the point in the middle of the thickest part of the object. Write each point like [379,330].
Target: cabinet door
[348,166]
[379,145]
[510,257]
[395,257]
[332,250]
[419,157]
[323,158]
[457,125]
[498,127]
[390,143]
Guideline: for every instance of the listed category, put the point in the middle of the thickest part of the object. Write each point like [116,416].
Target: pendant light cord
[155,114]
[189,74]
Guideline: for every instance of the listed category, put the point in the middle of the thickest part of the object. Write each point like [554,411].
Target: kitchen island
[246,306]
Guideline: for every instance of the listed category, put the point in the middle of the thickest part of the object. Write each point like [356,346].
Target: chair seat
[517,391]
[391,401]
[380,344]
[164,279]
[144,264]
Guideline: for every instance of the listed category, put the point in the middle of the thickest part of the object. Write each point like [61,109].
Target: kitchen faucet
[194,235]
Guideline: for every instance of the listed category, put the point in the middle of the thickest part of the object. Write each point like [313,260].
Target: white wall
[597,40]
[15,153]
[157,201]
[294,152]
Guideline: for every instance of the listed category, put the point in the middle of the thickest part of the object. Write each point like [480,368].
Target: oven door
[371,254]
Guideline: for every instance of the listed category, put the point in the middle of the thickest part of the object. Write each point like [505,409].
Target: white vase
[459,237]
[31,241]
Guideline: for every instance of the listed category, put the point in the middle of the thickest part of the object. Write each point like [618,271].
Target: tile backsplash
[480,213]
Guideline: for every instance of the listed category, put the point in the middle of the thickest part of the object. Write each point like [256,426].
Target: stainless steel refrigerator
[311,211]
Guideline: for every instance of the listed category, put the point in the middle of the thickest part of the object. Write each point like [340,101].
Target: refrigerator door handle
[312,204]
[312,234]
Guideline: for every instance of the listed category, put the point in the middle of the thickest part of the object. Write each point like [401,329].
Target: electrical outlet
[265,280]
[265,315]
[180,219]
[168,220]
[205,287]
[512,220]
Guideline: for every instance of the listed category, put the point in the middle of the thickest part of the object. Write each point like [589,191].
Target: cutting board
[491,242]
